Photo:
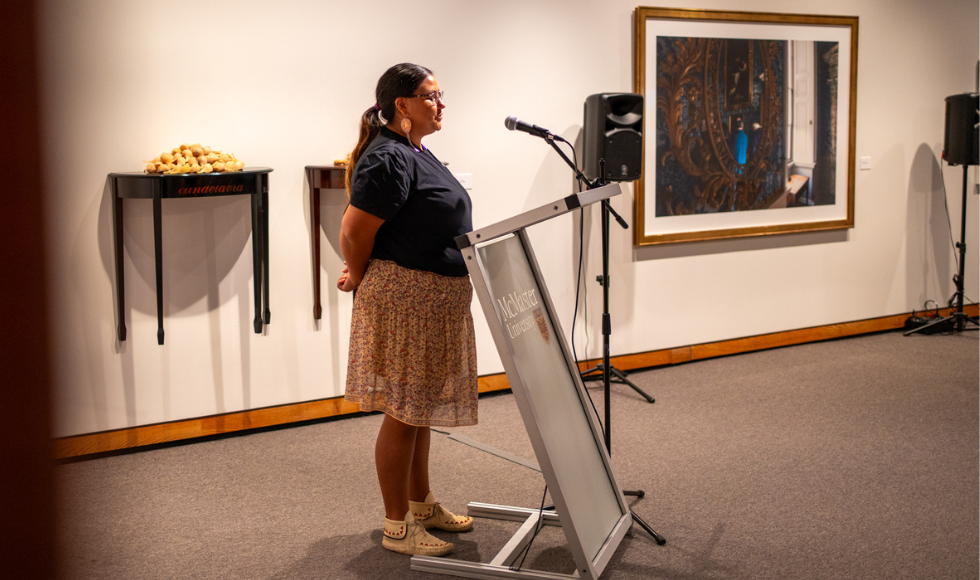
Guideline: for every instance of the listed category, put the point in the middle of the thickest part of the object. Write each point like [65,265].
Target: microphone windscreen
[511,123]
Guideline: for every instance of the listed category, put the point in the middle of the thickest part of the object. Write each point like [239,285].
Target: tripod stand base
[656,537]
[618,376]
[955,322]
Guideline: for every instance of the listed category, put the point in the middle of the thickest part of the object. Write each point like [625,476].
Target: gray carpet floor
[855,458]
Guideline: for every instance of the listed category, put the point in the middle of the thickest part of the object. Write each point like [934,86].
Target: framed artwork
[749,123]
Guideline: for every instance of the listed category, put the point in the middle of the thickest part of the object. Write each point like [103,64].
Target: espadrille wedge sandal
[409,537]
[432,515]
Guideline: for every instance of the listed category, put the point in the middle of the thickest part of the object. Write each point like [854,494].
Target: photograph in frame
[749,124]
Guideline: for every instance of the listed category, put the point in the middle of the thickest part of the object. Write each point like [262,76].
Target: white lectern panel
[535,346]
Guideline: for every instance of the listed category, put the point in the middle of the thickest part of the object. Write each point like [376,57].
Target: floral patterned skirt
[412,346]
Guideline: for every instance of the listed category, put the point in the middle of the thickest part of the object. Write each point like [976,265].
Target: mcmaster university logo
[519,305]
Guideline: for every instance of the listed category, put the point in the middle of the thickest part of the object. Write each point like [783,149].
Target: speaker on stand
[613,140]
[613,135]
[961,146]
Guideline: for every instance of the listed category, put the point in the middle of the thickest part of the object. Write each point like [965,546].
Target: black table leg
[117,238]
[257,260]
[265,257]
[158,255]
[312,175]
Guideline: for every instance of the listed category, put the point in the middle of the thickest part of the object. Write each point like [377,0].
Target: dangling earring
[406,126]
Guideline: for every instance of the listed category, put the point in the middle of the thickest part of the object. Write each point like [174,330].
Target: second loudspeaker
[613,133]
[961,145]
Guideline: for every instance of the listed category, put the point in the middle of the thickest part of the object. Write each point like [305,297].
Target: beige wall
[282,85]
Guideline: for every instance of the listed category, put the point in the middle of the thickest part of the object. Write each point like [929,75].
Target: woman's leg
[418,484]
[394,458]
[431,514]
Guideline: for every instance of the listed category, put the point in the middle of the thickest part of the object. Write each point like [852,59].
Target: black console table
[252,181]
[320,177]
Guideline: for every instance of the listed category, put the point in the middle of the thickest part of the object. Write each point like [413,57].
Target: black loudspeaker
[613,133]
[961,145]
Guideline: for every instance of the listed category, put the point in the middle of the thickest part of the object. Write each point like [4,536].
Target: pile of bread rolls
[194,158]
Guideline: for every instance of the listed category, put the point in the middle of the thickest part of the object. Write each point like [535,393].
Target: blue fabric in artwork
[741,146]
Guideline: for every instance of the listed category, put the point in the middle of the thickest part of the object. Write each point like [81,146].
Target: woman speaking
[412,346]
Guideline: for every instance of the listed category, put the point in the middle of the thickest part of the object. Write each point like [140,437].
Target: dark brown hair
[401,80]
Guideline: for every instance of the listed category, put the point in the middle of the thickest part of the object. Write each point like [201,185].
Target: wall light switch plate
[865,163]
[466,180]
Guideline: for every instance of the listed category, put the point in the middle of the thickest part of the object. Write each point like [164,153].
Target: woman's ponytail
[370,127]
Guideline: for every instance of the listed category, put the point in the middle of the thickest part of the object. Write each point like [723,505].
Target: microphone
[515,124]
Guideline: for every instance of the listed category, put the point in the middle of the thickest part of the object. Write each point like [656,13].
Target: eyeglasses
[433,96]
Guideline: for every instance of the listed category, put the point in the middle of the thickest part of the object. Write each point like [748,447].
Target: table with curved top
[253,181]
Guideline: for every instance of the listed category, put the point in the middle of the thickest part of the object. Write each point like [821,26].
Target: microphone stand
[603,280]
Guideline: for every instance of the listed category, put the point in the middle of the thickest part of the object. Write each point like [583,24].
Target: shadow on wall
[202,241]
[928,247]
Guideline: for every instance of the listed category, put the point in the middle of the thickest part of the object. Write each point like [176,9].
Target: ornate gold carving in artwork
[688,94]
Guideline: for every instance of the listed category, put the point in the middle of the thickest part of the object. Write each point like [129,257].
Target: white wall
[283,84]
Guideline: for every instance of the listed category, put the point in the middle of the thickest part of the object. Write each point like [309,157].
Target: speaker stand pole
[957,320]
[607,368]
[604,370]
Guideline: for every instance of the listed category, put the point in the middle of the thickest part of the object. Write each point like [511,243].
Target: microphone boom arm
[578,174]
[589,184]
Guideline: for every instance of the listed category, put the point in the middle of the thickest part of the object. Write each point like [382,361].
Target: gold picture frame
[749,123]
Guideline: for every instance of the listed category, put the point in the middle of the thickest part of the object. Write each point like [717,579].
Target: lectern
[566,437]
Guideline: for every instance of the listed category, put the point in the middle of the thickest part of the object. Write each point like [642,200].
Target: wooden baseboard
[120,439]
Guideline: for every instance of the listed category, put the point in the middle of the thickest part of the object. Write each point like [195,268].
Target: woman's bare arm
[357,231]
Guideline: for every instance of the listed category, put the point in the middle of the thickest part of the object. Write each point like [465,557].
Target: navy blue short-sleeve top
[423,206]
